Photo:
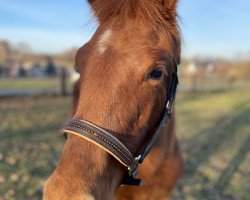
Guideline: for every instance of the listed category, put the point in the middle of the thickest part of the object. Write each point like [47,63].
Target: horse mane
[152,12]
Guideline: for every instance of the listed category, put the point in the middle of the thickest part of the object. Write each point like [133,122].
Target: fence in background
[62,85]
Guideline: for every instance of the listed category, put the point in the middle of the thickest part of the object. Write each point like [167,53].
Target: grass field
[213,128]
[30,83]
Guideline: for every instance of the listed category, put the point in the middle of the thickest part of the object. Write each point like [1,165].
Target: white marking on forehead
[103,40]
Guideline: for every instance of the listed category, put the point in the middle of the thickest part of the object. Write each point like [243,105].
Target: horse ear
[99,8]
[91,1]
[93,4]
[170,5]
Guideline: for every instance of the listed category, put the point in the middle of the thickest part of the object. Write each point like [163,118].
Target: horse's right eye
[156,73]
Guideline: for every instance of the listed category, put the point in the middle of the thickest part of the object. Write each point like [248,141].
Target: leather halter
[116,148]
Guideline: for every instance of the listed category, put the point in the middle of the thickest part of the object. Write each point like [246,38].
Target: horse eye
[155,74]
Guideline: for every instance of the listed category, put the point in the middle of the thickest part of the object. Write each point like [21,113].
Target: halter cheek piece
[113,146]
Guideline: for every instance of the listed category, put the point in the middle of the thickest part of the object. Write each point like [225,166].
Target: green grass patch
[31,143]
[214,131]
[213,128]
[31,83]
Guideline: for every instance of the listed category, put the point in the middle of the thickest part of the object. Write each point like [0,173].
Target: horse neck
[84,171]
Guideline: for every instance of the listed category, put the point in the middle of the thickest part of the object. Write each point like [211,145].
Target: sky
[217,28]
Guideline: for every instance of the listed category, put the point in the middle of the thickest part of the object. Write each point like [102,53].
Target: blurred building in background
[200,73]
[22,62]
[196,74]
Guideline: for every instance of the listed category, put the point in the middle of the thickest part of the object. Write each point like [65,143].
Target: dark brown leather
[110,143]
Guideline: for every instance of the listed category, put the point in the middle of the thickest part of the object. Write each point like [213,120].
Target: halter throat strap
[109,143]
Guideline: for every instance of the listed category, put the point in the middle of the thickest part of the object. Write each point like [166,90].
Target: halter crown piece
[116,148]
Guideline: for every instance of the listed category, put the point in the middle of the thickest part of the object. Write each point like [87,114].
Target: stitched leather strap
[164,119]
[102,139]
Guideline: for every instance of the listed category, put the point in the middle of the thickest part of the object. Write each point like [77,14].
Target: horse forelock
[151,12]
[150,15]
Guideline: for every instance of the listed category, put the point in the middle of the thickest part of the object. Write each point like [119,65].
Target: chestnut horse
[125,70]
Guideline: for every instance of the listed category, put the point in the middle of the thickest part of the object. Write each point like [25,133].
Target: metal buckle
[169,106]
[133,172]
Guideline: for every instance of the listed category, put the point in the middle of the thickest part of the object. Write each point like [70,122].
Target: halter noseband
[116,148]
